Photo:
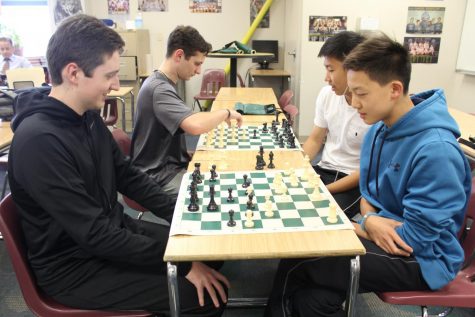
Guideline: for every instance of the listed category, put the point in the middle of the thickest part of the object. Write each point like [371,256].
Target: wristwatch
[362,222]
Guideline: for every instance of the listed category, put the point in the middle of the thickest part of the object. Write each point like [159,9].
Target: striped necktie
[6,65]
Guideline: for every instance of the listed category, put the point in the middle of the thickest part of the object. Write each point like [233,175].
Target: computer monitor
[266,46]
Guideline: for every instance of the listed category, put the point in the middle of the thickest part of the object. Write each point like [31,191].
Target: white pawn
[294,181]
[316,193]
[305,175]
[244,134]
[268,207]
[332,218]
[249,223]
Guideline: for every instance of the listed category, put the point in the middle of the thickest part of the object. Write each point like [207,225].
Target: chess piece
[193,206]
[261,150]
[230,195]
[254,135]
[212,206]
[264,129]
[268,207]
[259,165]
[271,160]
[246,183]
[231,222]
[213,177]
[281,141]
[249,223]
[250,204]
[332,218]
[213,167]
[277,112]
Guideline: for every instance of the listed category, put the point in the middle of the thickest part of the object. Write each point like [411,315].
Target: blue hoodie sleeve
[435,198]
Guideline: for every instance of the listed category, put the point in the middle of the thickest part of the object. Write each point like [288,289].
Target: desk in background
[120,96]
[271,73]
[233,58]
[6,135]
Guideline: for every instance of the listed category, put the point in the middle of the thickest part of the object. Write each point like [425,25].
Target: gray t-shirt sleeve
[168,107]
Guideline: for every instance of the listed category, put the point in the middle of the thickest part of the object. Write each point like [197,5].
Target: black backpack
[6,104]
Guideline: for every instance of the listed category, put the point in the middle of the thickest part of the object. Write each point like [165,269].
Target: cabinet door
[130,39]
[128,68]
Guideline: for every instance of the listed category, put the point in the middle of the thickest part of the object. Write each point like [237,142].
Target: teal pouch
[254,109]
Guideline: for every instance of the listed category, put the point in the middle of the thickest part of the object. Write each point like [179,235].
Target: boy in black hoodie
[65,170]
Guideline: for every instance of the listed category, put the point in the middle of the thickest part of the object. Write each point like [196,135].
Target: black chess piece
[281,141]
[271,160]
[230,196]
[214,170]
[212,206]
[212,178]
[254,136]
[259,162]
[231,222]
[245,184]
[197,173]
[277,112]
[250,205]
[193,206]
[261,150]
[264,129]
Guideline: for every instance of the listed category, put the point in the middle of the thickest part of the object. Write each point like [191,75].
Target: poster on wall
[153,5]
[425,20]
[424,50]
[118,6]
[62,9]
[205,6]
[321,28]
[256,6]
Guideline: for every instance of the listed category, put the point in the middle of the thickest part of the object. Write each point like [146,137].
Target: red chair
[285,98]
[458,293]
[213,80]
[124,143]
[38,302]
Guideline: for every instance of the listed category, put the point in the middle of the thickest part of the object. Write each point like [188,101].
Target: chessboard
[249,137]
[280,202]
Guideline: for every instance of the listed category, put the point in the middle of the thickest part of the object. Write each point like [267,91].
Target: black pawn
[254,136]
[281,141]
[245,184]
[214,170]
[231,222]
[264,129]
[212,206]
[213,175]
[193,206]
[230,196]
[250,204]
[271,160]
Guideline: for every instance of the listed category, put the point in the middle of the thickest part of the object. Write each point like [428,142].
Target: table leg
[132,103]
[233,72]
[353,288]
[173,289]
[122,100]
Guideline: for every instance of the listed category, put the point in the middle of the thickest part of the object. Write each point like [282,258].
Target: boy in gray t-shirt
[158,140]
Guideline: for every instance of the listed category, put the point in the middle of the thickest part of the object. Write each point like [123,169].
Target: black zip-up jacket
[65,171]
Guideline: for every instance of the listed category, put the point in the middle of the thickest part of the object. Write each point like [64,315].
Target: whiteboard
[466,56]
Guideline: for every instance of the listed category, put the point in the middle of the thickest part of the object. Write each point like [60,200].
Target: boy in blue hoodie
[415,183]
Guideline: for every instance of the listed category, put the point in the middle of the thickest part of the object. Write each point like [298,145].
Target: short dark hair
[340,45]
[383,59]
[84,40]
[6,39]
[189,40]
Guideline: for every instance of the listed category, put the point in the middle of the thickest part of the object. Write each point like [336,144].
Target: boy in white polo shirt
[338,126]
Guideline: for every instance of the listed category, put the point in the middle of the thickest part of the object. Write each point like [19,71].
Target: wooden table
[120,95]
[233,58]
[274,245]
[466,124]
[247,95]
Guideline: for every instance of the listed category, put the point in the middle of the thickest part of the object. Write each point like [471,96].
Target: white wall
[217,28]
[392,14]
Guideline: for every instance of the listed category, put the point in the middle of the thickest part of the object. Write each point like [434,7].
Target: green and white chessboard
[243,139]
[293,211]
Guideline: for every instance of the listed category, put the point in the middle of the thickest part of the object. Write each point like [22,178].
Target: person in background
[415,182]
[8,59]
[337,126]
[163,118]
[65,172]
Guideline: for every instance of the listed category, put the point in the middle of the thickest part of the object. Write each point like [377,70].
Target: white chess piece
[268,207]
[332,218]
[294,181]
[316,195]
[249,223]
